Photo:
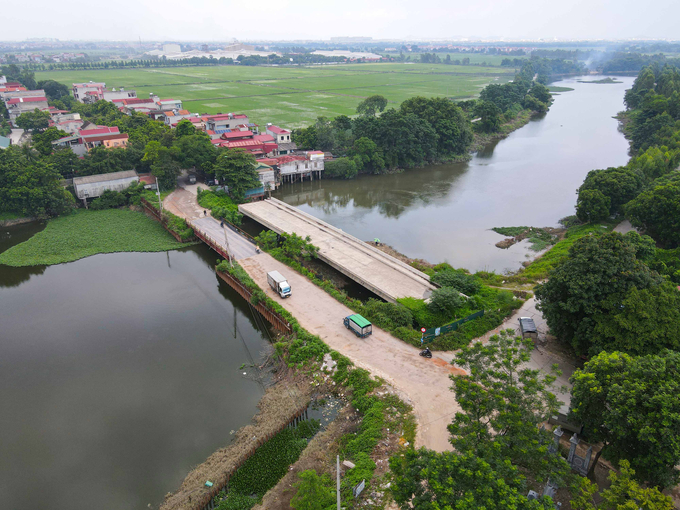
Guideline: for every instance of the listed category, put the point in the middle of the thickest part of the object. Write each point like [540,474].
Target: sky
[225,20]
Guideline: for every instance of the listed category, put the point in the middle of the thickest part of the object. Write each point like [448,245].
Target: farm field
[292,96]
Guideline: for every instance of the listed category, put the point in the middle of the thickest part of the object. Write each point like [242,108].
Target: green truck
[361,327]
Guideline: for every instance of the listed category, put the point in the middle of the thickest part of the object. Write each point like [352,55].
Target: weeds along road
[423,382]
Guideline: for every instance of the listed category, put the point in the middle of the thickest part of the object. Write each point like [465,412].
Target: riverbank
[86,233]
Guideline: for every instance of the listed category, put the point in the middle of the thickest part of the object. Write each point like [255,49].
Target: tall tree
[624,493]
[372,105]
[632,406]
[657,210]
[236,169]
[33,121]
[597,269]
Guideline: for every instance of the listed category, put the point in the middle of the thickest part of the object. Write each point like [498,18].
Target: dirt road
[423,382]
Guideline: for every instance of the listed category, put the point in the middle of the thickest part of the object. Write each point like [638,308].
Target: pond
[119,373]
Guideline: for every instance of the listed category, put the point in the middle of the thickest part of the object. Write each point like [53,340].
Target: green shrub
[465,283]
[220,205]
[446,301]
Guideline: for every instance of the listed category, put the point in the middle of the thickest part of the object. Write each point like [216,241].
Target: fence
[433,333]
[274,318]
[150,209]
[207,500]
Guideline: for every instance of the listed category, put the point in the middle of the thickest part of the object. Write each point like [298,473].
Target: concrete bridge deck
[384,275]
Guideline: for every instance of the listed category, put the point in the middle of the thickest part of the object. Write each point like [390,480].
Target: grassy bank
[86,233]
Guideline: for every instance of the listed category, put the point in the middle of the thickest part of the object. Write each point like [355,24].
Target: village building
[18,105]
[93,186]
[293,168]
[282,139]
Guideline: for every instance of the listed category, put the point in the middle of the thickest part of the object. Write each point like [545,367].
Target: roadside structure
[92,186]
[291,168]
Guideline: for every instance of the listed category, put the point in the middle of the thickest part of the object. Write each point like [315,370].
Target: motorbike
[426,353]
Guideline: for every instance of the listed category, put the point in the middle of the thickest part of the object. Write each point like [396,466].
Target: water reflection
[9,236]
[119,373]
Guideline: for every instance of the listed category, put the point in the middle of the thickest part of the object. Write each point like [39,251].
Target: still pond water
[445,212]
[119,372]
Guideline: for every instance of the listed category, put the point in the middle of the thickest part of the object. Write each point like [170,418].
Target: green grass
[541,267]
[86,233]
[554,88]
[293,96]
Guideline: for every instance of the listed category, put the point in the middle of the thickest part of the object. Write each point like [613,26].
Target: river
[118,374]
[445,212]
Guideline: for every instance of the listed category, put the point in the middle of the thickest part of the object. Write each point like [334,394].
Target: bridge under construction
[379,272]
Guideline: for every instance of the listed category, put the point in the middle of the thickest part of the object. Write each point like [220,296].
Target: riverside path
[382,274]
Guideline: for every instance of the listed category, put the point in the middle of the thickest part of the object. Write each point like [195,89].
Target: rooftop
[278,130]
[114,176]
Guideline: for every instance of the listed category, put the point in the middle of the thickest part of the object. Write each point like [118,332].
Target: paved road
[388,277]
[239,246]
[422,382]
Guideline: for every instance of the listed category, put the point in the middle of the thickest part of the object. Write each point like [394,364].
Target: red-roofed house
[18,105]
[282,137]
[221,121]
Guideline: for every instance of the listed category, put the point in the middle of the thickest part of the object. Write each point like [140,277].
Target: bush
[220,205]
[463,282]
[446,301]
[341,168]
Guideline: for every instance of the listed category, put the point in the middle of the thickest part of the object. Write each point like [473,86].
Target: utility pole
[338,481]
[226,239]
[158,192]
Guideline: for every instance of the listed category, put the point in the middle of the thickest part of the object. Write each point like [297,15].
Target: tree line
[421,131]
[647,189]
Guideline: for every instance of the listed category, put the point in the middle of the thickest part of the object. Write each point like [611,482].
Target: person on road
[205,213]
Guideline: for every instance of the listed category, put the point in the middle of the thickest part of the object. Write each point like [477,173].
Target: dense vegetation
[647,189]
[84,233]
[422,130]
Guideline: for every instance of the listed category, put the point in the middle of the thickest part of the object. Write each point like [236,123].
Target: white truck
[279,283]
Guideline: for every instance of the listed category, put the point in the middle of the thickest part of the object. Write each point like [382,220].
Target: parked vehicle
[527,328]
[361,327]
[192,179]
[426,353]
[279,283]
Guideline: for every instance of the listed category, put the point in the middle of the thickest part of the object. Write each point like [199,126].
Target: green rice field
[293,96]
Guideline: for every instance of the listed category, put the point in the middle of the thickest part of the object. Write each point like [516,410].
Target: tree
[33,121]
[624,493]
[42,142]
[367,155]
[313,492]
[446,301]
[372,105]
[503,404]
[657,210]
[53,89]
[163,164]
[426,480]
[489,115]
[640,322]
[618,184]
[305,138]
[448,120]
[592,205]
[236,168]
[631,405]
[29,186]
[341,168]
[184,128]
[195,150]
[597,269]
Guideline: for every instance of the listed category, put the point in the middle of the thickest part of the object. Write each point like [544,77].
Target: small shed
[92,186]
[527,328]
